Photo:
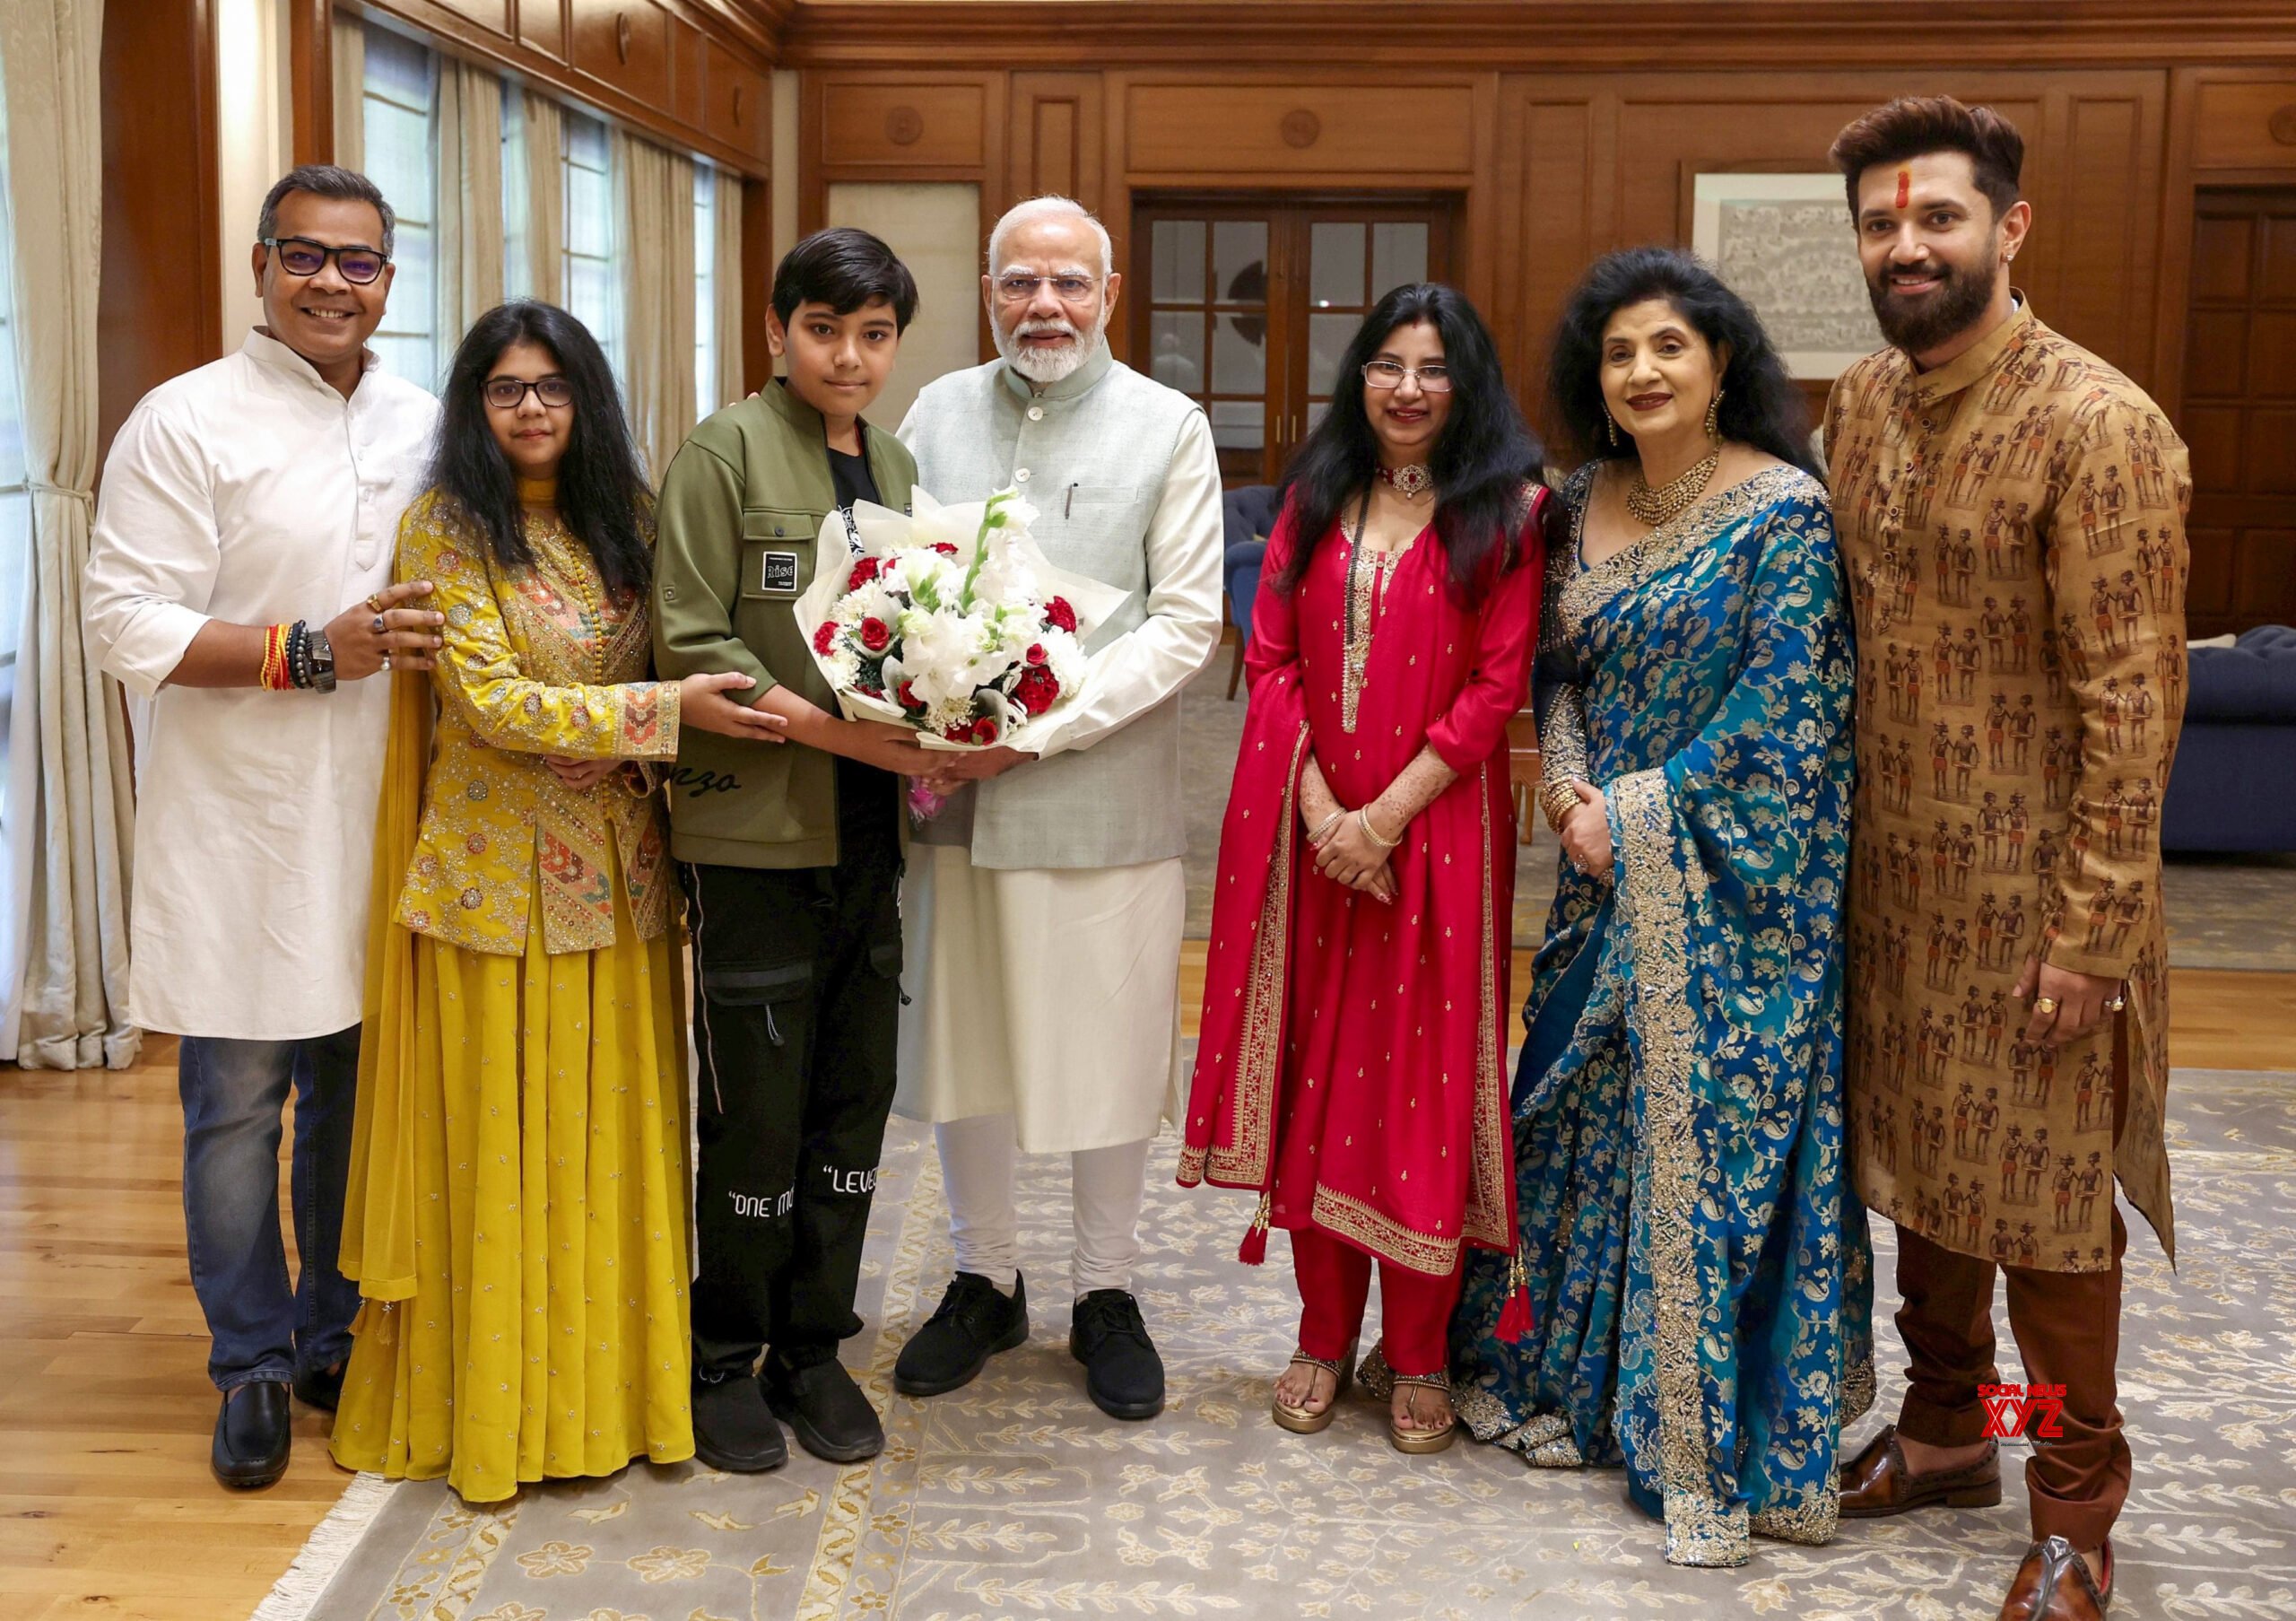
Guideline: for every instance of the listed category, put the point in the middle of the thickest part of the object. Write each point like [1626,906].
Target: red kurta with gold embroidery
[1351,1060]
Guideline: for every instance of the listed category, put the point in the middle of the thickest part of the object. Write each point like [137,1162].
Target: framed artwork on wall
[1784,243]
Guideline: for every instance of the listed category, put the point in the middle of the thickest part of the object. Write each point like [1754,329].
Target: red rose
[1037,690]
[875,635]
[983,731]
[946,548]
[961,732]
[1059,615]
[908,698]
[866,691]
[825,636]
[1035,653]
[864,571]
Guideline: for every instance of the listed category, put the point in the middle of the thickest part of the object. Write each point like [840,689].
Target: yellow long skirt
[547,1336]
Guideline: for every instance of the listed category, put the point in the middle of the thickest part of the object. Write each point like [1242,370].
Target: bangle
[1557,800]
[276,670]
[1324,828]
[1363,821]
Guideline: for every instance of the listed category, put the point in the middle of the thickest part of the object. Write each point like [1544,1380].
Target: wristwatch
[322,662]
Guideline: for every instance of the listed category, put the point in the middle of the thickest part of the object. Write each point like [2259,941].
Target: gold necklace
[1655,507]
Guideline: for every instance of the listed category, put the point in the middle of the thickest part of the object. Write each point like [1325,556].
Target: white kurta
[251,491]
[1049,994]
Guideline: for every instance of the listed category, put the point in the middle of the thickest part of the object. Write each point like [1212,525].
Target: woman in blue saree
[1700,1280]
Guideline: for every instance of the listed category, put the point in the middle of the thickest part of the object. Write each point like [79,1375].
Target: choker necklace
[1410,482]
[1655,507]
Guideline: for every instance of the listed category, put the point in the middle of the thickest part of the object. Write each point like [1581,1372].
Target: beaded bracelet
[299,655]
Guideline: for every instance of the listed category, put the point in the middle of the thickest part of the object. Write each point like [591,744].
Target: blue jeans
[263,1326]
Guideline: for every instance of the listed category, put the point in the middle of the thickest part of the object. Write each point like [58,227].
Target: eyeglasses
[509,393]
[300,256]
[1387,374]
[1068,289]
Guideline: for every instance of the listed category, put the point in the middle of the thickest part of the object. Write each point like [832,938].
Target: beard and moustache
[1049,365]
[1962,294]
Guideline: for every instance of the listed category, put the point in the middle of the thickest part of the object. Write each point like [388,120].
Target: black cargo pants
[797,978]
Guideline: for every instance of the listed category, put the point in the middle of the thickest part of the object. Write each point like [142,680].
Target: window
[518,265]
[398,101]
[593,279]
[705,291]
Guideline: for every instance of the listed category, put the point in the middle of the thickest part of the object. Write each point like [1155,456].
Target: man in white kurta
[258,491]
[1044,905]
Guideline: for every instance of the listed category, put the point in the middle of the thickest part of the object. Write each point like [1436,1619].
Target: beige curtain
[654,234]
[467,238]
[545,199]
[725,283]
[70,810]
[349,37]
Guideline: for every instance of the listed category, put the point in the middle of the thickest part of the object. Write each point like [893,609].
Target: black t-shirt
[868,800]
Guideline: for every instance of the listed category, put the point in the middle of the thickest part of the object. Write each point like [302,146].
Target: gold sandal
[1313,1421]
[1423,1441]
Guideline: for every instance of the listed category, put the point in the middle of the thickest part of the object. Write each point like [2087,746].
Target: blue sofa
[2233,786]
[1249,513]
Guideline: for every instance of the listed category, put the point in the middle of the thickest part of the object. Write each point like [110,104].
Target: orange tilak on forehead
[1905,187]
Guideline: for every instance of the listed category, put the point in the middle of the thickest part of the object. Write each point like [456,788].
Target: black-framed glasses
[1388,374]
[509,393]
[1018,288]
[300,256]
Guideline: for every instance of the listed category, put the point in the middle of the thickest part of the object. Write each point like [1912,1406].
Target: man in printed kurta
[2011,517]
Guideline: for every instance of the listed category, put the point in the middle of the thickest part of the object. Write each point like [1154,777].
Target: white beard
[1050,366]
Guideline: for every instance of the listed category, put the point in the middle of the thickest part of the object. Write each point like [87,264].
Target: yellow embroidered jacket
[537,661]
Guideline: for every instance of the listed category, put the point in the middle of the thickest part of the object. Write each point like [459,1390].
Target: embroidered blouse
[538,661]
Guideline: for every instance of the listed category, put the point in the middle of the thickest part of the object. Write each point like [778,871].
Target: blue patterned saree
[1700,1278]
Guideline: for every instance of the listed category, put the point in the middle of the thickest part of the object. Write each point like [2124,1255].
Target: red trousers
[1336,1281]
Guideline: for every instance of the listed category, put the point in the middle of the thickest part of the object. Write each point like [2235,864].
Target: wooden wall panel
[923,129]
[160,311]
[1057,138]
[737,105]
[626,47]
[1359,129]
[2249,126]
[542,24]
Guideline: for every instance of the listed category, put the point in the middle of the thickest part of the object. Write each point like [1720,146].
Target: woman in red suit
[1351,1064]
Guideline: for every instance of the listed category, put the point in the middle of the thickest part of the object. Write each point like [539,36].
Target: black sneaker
[974,1321]
[733,1430]
[251,1435]
[1123,1374]
[826,1411]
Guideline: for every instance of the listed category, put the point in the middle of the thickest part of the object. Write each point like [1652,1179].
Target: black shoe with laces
[1123,1374]
[824,1409]
[974,1320]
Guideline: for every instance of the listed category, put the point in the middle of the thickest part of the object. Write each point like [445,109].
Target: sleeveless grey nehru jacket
[1125,482]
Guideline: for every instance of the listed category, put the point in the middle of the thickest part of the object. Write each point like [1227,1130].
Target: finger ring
[387,663]
[375,603]
[2044,1004]
[378,624]
[2117,1003]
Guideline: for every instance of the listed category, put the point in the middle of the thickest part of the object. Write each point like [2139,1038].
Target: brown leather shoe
[2053,1584]
[1876,1482]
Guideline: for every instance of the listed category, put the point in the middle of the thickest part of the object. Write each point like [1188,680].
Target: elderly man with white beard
[1044,904]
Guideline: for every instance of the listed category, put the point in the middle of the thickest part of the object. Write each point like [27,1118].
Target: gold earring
[1611,423]
[1714,415]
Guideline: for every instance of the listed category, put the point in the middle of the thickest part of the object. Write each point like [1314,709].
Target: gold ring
[2117,1003]
[375,601]
[2044,1004]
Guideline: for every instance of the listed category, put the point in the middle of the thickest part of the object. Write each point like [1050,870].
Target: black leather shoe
[1123,1374]
[974,1321]
[251,1435]
[733,1430]
[825,1410]
[320,1387]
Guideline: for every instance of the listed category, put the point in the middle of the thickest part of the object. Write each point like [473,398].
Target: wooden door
[2240,410]
[1245,304]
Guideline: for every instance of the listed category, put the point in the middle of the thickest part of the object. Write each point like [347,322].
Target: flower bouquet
[950,622]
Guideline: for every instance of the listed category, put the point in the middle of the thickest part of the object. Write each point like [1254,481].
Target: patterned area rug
[1015,1498]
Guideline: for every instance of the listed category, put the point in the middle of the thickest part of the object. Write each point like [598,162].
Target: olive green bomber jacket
[737,516]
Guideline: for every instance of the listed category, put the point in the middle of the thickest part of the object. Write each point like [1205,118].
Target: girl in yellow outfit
[516,1219]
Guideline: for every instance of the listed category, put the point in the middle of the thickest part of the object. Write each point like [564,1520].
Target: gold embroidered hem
[1653,895]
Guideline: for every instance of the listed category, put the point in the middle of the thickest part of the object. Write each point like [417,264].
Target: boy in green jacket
[791,853]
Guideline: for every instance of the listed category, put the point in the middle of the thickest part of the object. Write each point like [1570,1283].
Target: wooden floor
[107,1508]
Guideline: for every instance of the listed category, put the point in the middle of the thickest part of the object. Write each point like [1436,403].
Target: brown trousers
[2067,1327]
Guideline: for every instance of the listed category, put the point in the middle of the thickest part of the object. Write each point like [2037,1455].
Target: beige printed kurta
[2011,528]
